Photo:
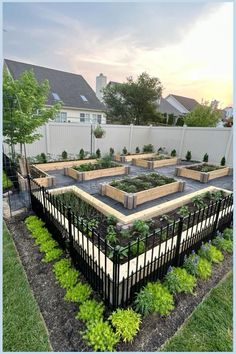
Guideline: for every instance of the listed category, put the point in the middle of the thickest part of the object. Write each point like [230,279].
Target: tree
[133,101]
[24,108]
[202,116]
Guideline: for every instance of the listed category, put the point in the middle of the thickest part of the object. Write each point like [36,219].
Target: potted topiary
[99,132]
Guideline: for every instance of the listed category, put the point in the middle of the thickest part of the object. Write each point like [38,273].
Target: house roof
[188,103]
[71,89]
[165,107]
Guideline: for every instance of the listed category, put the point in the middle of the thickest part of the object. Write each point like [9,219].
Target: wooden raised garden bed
[129,158]
[88,175]
[41,177]
[196,172]
[155,161]
[59,165]
[131,200]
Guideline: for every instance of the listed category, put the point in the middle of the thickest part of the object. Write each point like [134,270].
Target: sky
[188,46]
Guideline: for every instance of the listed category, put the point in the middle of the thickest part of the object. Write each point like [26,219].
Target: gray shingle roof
[166,107]
[188,103]
[67,86]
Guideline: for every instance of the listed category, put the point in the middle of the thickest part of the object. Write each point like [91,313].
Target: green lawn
[23,327]
[210,327]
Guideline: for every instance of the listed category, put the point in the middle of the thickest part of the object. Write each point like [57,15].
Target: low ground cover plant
[100,336]
[211,253]
[223,244]
[78,293]
[141,182]
[90,311]
[178,280]
[6,182]
[228,233]
[126,323]
[154,297]
[198,266]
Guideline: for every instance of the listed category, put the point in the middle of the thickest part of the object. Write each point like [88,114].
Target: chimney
[101,82]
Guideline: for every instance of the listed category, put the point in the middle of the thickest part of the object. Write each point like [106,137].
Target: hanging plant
[99,132]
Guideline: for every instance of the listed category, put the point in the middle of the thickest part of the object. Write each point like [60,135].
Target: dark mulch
[155,330]
[59,315]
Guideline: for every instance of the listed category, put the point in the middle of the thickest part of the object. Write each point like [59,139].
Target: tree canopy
[202,116]
[133,101]
[24,107]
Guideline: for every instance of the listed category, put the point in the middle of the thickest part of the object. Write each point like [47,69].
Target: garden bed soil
[156,330]
[155,161]
[130,157]
[202,173]
[59,315]
[96,173]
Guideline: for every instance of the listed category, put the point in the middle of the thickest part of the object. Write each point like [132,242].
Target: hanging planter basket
[99,132]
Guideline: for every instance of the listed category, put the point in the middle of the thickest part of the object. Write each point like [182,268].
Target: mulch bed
[59,315]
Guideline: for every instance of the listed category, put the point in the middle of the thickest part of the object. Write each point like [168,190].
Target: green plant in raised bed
[188,155]
[148,148]
[140,227]
[90,311]
[125,233]
[198,202]
[198,266]
[228,233]
[68,279]
[64,155]
[98,153]
[61,267]
[41,158]
[78,293]
[177,280]
[111,220]
[173,153]
[211,253]
[137,150]
[137,247]
[223,161]
[183,211]
[205,158]
[100,336]
[81,154]
[154,297]
[124,151]
[52,255]
[111,235]
[166,218]
[222,244]
[126,323]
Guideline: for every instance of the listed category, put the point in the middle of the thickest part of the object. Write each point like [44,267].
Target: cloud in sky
[187,45]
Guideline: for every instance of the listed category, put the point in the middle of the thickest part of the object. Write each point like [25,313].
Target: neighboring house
[80,104]
[183,104]
[164,107]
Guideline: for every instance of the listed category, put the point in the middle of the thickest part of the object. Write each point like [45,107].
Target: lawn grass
[210,327]
[23,327]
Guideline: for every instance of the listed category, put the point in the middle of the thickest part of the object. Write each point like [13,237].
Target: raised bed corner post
[217,217]
[179,234]
[116,268]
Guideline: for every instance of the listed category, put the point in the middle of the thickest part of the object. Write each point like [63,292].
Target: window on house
[84,98]
[99,118]
[82,117]
[55,96]
[61,117]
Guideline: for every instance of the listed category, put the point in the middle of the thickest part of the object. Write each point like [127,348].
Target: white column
[182,141]
[131,137]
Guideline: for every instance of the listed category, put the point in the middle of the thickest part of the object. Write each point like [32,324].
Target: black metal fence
[118,274]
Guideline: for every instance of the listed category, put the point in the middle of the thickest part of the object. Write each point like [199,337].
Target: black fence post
[69,218]
[29,189]
[178,242]
[43,193]
[116,266]
[217,217]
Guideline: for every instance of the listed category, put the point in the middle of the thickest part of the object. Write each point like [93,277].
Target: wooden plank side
[186,172]
[115,193]
[166,162]
[106,172]
[59,165]
[218,173]
[157,192]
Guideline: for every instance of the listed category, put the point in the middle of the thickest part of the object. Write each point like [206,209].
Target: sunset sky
[188,46]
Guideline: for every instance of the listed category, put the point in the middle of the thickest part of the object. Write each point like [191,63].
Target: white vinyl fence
[71,137]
